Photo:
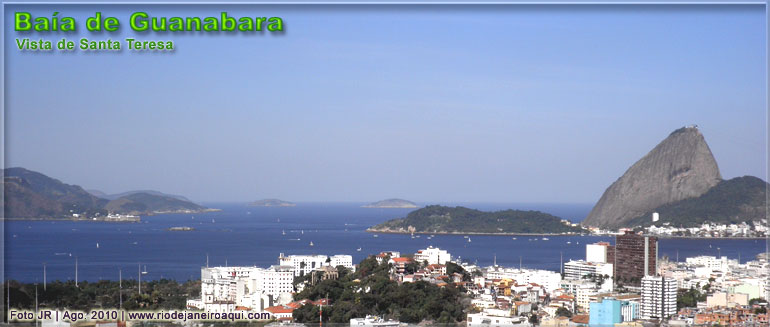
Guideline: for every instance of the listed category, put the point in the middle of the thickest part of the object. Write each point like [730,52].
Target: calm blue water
[241,235]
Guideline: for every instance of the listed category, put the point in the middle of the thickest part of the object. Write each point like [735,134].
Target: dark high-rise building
[635,257]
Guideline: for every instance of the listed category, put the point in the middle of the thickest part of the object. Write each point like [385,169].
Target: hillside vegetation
[441,219]
[737,200]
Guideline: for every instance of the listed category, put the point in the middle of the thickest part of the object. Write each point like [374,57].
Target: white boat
[545,238]
[513,238]
[359,249]
[375,235]
[97,245]
[469,240]
[568,242]
[283,232]
[466,236]
[144,272]
[311,243]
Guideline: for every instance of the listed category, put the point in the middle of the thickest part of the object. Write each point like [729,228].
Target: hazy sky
[504,103]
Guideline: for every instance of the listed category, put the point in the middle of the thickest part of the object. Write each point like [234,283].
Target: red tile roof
[279,309]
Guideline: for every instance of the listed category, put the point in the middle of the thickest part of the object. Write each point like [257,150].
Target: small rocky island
[391,203]
[272,203]
[181,229]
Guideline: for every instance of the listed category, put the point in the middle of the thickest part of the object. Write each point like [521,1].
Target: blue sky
[506,103]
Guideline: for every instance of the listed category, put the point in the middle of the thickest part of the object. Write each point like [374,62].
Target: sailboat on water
[144,272]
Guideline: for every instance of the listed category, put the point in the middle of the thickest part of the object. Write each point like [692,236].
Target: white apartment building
[304,264]
[550,280]
[432,256]
[577,269]
[222,288]
[658,297]
[496,318]
[713,263]
[597,252]
[273,281]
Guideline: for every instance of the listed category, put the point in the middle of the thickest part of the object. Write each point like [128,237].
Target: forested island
[391,203]
[460,220]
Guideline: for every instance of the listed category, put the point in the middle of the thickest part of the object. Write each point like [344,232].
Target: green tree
[563,312]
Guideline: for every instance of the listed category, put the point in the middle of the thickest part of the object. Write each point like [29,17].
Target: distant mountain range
[681,181]
[272,203]
[391,203]
[103,195]
[459,220]
[29,194]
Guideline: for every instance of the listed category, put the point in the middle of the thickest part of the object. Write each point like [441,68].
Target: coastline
[370,230]
[113,221]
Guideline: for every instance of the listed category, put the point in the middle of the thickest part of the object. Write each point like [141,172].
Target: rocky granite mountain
[680,167]
[30,194]
[391,203]
[272,203]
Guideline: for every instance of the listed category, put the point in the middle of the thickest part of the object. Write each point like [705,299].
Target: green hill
[741,199]
[441,219]
[145,203]
[272,203]
[30,194]
[391,203]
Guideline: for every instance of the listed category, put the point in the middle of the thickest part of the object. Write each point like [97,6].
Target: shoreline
[369,230]
[112,221]
[373,231]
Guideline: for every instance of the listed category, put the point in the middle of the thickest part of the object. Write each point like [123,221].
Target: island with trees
[438,219]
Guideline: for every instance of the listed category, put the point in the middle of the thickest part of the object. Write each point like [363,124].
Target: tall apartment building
[635,257]
[658,297]
[304,264]
[434,256]
[224,288]
[600,252]
[579,269]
